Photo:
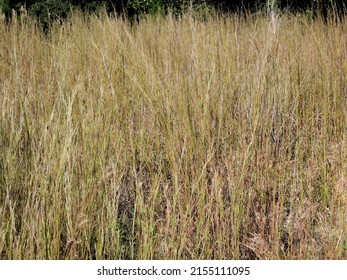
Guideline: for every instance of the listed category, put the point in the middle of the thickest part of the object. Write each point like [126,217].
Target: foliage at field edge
[134,8]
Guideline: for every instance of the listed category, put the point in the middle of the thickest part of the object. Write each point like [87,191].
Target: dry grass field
[173,138]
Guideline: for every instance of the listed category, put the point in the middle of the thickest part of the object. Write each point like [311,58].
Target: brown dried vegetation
[173,138]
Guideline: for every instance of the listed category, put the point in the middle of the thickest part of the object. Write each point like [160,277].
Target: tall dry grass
[223,138]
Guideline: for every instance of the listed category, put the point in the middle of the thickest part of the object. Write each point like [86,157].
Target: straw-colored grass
[222,138]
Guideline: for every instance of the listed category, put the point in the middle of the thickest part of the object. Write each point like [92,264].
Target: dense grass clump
[173,138]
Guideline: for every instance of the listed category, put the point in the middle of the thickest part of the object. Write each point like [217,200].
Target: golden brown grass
[223,138]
